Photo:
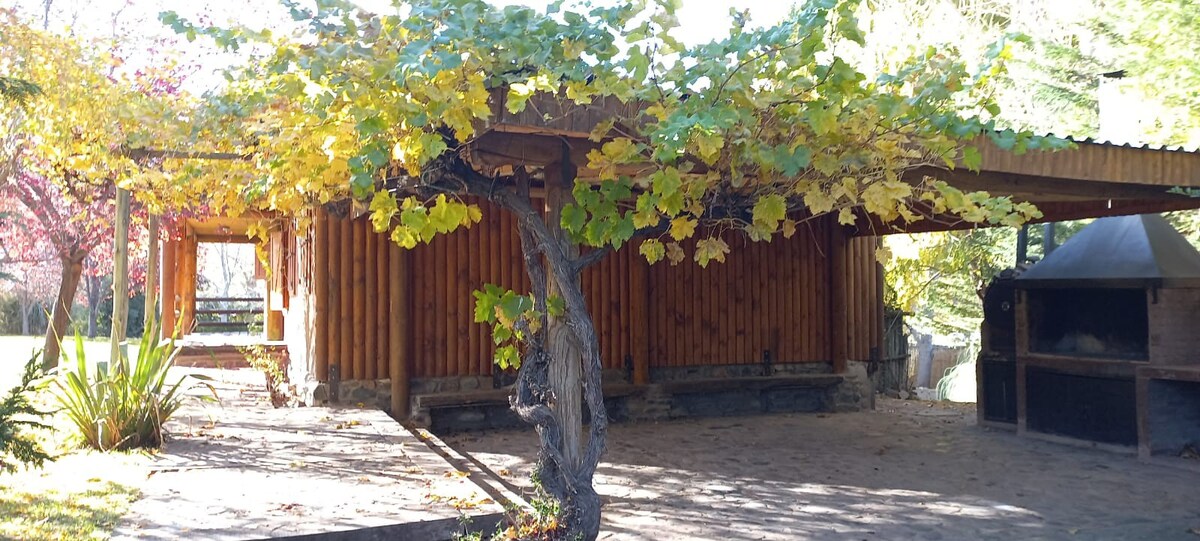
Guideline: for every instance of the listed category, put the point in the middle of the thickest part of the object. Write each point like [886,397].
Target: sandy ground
[244,470]
[909,470]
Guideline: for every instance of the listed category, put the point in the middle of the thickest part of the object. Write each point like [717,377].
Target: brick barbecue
[1098,343]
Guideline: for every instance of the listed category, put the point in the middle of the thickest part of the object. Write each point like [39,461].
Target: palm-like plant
[125,406]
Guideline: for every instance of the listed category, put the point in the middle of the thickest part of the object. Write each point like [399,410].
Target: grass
[79,496]
[15,350]
[82,494]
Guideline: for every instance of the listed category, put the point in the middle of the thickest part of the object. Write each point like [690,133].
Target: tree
[67,149]
[749,135]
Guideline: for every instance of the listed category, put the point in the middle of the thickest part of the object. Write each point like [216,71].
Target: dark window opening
[1084,407]
[999,400]
[1103,323]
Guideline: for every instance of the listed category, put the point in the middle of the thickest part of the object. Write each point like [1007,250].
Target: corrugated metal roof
[1126,144]
[1141,249]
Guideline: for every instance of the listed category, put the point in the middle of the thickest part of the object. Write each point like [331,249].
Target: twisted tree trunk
[561,367]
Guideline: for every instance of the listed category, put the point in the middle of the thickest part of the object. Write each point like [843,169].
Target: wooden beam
[1051,211]
[1043,188]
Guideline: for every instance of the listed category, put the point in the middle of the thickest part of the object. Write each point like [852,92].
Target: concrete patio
[244,470]
[910,470]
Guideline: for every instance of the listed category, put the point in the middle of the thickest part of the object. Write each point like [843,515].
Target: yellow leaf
[789,228]
[653,250]
[709,146]
[710,249]
[682,228]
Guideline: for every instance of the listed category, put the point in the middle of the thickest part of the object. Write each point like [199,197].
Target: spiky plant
[125,406]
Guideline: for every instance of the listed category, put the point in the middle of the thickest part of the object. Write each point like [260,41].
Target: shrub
[17,414]
[125,406]
[274,369]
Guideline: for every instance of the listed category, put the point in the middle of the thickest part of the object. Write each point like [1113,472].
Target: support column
[169,301]
[120,311]
[838,315]
[639,321]
[399,312]
[320,265]
[152,265]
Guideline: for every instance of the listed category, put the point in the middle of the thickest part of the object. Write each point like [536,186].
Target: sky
[700,21]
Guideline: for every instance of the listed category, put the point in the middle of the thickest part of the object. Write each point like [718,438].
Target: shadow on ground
[908,471]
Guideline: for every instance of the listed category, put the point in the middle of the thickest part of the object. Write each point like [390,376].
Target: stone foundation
[857,392]
[678,373]
[653,402]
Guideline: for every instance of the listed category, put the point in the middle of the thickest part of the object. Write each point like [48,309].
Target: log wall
[765,298]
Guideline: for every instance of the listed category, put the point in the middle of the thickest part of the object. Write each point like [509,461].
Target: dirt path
[910,470]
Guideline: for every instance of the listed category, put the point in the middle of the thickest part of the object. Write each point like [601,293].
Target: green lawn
[15,350]
[81,494]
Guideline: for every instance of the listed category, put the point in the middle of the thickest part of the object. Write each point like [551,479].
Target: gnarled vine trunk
[561,367]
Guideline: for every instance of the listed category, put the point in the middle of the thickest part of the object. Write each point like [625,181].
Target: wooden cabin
[794,325]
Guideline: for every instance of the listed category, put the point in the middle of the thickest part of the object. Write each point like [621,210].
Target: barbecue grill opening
[1089,322]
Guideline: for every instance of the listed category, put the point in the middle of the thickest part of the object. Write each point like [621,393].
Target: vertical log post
[169,262]
[320,265]
[639,319]
[345,273]
[837,294]
[148,308]
[360,296]
[398,328]
[120,313]
[188,310]
[372,292]
[383,292]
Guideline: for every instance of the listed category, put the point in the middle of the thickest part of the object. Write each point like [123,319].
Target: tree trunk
[565,355]
[561,361]
[120,313]
[573,370]
[27,305]
[91,287]
[72,268]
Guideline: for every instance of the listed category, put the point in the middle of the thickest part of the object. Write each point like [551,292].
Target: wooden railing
[229,314]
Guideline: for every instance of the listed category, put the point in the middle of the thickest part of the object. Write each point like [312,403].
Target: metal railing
[229,314]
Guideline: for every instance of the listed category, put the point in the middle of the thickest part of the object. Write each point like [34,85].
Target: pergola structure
[807,312]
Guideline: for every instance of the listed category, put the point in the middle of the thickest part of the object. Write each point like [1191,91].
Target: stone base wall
[857,392]
[648,403]
[660,374]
